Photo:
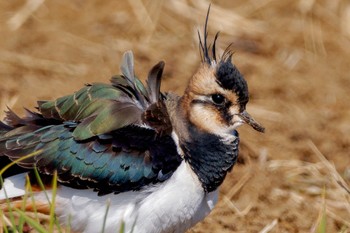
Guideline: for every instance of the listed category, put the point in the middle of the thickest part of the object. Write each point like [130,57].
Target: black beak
[250,121]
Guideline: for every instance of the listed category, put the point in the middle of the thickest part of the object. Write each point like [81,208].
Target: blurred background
[294,54]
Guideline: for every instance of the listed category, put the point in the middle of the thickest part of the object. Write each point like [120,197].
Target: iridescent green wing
[112,138]
[126,160]
[102,108]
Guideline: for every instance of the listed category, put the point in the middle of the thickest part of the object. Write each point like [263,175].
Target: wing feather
[94,139]
[153,81]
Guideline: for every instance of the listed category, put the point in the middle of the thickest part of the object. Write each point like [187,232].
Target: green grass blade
[21,220]
[53,201]
[19,160]
[3,221]
[36,225]
[32,199]
[41,184]
[105,217]
[122,227]
[2,182]
[54,192]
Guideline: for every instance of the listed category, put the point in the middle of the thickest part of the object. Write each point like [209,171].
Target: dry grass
[294,54]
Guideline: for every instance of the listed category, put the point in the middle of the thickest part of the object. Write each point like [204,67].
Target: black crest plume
[204,48]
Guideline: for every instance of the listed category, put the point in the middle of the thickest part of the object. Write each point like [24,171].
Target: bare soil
[295,56]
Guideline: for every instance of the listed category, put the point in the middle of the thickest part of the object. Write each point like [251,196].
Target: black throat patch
[210,157]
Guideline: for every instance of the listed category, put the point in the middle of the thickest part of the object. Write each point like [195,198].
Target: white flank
[14,186]
[172,206]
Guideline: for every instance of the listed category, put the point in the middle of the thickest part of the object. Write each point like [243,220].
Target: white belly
[172,206]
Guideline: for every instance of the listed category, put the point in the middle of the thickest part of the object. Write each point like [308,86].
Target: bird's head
[216,97]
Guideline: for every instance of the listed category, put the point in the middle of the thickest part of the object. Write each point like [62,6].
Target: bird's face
[216,97]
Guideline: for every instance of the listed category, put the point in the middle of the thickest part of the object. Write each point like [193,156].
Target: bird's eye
[218,99]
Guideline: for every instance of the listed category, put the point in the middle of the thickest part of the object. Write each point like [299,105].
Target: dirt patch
[294,54]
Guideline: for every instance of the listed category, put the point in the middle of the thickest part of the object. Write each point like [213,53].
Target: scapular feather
[119,115]
[127,69]
[153,81]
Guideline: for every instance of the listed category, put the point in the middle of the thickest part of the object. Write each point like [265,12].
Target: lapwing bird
[127,156]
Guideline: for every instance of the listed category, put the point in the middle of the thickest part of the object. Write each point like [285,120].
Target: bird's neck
[210,156]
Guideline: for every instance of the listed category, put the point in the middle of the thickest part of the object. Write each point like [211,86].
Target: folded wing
[111,138]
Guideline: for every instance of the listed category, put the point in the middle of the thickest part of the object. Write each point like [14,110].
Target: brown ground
[294,54]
